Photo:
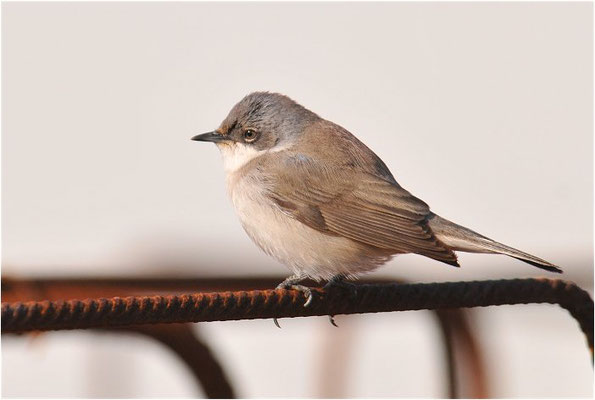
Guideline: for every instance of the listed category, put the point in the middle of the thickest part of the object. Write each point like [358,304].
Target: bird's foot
[291,283]
[340,282]
[300,288]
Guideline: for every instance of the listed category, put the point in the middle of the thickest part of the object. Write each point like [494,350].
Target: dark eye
[250,135]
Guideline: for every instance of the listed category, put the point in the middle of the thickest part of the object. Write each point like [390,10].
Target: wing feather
[359,206]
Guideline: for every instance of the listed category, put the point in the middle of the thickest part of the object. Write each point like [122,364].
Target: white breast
[303,249]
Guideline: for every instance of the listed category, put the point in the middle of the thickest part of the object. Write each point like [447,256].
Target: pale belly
[302,249]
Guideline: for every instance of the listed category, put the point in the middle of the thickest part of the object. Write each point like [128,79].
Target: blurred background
[483,110]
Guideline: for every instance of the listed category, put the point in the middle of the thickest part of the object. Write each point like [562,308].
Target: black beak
[209,137]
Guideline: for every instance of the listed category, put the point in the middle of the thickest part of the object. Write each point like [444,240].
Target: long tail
[462,239]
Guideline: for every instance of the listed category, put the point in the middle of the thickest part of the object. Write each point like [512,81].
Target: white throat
[236,155]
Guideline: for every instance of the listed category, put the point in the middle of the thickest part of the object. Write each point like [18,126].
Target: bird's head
[261,122]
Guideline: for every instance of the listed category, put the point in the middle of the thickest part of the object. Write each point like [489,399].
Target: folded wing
[357,205]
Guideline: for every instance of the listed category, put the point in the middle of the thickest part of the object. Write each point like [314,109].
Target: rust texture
[224,306]
[451,323]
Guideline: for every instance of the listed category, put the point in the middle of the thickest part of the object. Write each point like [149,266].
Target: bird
[317,199]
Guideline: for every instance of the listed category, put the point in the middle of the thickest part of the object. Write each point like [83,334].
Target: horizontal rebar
[256,304]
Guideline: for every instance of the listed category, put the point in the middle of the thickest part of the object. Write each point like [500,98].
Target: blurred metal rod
[181,339]
[452,323]
[467,377]
[258,304]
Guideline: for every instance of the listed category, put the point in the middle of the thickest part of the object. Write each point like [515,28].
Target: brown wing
[357,205]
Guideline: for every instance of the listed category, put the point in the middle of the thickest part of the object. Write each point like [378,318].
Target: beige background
[483,110]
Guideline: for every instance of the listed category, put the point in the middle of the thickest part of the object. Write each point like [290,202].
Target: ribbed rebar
[224,306]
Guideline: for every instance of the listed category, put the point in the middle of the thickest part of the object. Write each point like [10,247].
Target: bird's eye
[250,135]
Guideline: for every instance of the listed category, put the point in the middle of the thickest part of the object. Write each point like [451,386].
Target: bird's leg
[291,280]
[292,283]
[340,281]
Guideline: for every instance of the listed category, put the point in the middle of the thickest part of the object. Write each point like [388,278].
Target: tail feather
[462,239]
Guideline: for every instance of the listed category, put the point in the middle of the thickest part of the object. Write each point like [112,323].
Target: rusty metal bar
[463,356]
[52,288]
[21,290]
[225,306]
[448,339]
[197,356]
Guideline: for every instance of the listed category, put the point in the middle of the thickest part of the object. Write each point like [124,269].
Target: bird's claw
[308,293]
[300,288]
[331,319]
[340,282]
